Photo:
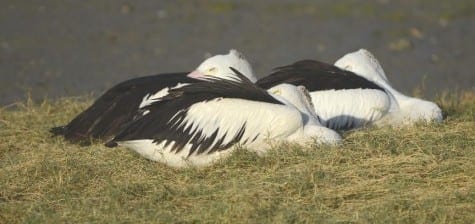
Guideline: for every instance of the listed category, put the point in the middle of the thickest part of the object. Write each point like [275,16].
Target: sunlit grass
[420,174]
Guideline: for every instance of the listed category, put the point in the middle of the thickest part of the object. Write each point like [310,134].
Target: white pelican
[118,105]
[197,124]
[403,109]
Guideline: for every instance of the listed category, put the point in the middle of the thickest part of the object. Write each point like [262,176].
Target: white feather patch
[151,98]
[350,107]
[157,152]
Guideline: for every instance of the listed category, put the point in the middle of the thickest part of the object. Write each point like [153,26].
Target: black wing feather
[316,76]
[116,107]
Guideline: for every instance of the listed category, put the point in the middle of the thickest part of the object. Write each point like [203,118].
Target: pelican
[403,110]
[118,105]
[201,123]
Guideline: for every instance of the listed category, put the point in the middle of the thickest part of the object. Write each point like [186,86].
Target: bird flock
[197,118]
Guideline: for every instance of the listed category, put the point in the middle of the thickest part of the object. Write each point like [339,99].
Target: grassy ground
[424,174]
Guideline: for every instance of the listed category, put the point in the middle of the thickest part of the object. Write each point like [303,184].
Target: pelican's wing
[316,76]
[116,107]
[214,125]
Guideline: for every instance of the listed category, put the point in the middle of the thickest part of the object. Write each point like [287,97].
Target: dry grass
[424,174]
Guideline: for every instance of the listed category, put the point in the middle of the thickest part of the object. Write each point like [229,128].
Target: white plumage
[403,109]
[350,108]
[154,97]
[218,66]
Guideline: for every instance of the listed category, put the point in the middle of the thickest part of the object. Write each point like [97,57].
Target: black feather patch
[316,76]
[117,107]
[61,130]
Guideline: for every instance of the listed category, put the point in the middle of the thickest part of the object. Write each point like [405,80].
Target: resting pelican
[118,105]
[403,109]
[200,123]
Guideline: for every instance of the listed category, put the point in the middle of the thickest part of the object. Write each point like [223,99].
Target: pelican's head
[363,63]
[313,130]
[297,96]
[218,66]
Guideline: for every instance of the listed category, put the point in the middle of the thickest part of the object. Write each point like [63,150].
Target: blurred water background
[54,48]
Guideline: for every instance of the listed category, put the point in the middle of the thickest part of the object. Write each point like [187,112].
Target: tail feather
[111,144]
[60,130]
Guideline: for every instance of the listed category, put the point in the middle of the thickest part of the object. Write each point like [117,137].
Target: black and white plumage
[342,99]
[403,110]
[118,105]
[200,123]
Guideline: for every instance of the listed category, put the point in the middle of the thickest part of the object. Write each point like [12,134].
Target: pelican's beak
[196,75]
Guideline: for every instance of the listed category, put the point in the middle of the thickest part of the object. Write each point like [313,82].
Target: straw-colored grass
[420,174]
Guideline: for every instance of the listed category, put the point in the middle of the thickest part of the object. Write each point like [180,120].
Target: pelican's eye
[212,70]
[276,92]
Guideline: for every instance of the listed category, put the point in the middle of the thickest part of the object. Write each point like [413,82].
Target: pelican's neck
[312,130]
[302,105]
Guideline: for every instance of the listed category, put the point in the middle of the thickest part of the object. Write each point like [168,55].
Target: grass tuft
[419,174]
